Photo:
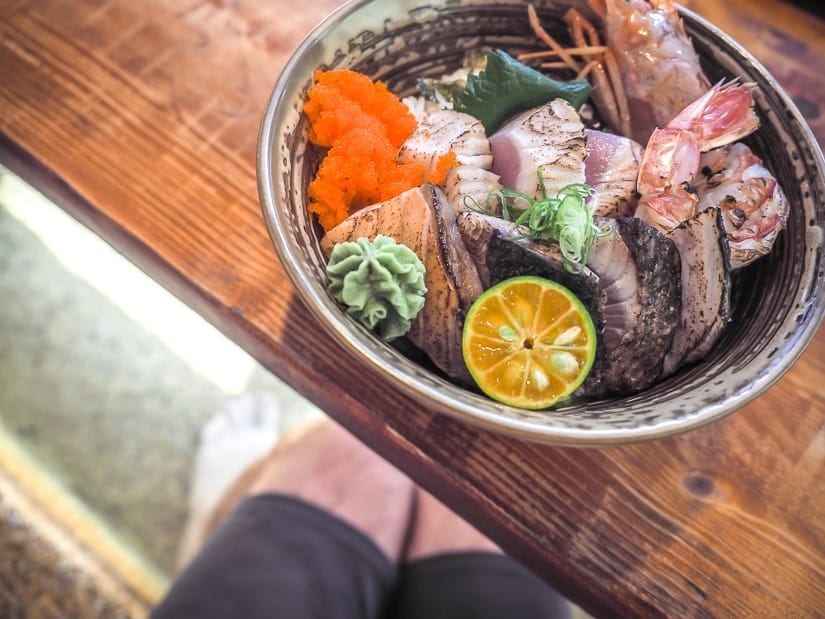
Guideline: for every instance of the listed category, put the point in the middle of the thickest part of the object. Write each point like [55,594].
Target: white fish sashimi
[466,183]
[442,131]
[550,137]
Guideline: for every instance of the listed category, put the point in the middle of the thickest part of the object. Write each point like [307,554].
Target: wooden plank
[141,118]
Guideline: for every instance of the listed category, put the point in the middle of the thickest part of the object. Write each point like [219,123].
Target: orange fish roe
[443,166]
[363,125]
[341,100]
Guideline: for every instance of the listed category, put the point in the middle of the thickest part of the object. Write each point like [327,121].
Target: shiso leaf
[507,87]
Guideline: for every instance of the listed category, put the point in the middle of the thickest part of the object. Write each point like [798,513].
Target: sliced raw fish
[550,136]
[706,283]
[425,221]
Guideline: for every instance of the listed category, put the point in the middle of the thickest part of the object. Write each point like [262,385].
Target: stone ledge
[56,558]
[45,574]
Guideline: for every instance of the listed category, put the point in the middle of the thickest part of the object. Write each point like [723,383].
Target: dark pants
[278,557]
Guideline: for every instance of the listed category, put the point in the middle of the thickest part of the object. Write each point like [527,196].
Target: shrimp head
[753,204]
[671,159]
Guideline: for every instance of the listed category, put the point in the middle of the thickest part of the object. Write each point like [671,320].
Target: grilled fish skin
[706,288]
[631,286]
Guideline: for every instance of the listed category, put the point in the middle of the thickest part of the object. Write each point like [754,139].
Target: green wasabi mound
[381,283]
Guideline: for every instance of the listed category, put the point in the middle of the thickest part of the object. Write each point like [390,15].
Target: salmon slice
[424,220]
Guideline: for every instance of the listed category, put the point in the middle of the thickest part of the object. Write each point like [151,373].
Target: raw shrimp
[723,115]
[753,204]
[659,68]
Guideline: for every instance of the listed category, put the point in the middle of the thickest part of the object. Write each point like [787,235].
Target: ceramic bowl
[777,300]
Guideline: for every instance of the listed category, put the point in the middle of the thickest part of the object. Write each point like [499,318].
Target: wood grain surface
[141,118]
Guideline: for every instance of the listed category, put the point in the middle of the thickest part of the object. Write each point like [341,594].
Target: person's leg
[437,530]
[331,469]
[452,571]
[232,447]
[319,534]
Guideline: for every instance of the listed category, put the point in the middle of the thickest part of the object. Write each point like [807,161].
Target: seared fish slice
[499,253]
[425,221]
[611,259]
[706,283]
[640,271]
[631,287]
[611,168]
[551,136]
[442,131]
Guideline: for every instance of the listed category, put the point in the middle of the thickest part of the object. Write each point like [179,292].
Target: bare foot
[326,466]
[239,434]
[438,530]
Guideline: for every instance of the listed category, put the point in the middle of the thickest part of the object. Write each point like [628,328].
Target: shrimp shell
[672,157]
[753,204]
[659,67]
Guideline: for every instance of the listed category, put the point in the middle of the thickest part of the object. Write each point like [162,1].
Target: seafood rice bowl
[418,161]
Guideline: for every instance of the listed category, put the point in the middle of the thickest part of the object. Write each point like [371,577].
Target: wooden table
[140,118]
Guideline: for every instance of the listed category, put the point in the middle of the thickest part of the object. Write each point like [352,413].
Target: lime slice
[528,342]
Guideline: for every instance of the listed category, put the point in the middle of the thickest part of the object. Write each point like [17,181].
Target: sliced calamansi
[528,342]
